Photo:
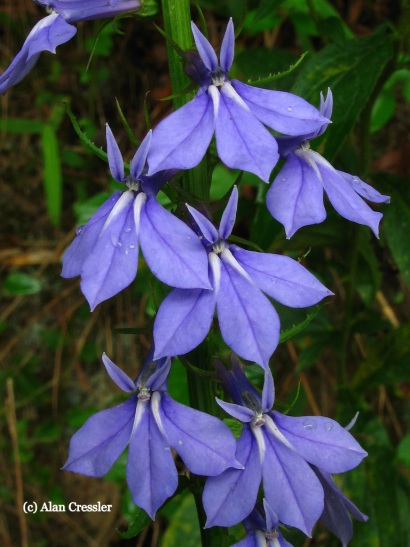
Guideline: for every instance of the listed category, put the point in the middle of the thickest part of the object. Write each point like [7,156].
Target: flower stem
[177,23]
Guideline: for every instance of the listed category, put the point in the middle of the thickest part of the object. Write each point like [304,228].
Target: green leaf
[178,383]
[279,75]
[296,329]
[375,488]
[20,284]
[183,528]
[17,125]
[140,522]
[352,73]
[403,451]
[386,361]
[85,210]
[396,224]
[83,137]
[235,426]
[53,181]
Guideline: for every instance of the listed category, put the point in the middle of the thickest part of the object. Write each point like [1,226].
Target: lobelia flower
[55,29]
[234,111]
[105,251]
[151,423]
[295,198]
[276,450]
[262,529]
[337,507]
[249,323]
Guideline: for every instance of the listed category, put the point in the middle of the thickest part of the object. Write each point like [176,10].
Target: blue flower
[337,507]
[276,450]
[262,527]
[151,423]
[234,111]
[249,323]
[105,251]
[295,198]
[55,29]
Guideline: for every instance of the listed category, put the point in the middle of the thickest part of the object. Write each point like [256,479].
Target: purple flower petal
[151,473]
[249,323]
[242,141]
[272,520]
[290,486]
[182,138]
[205,50]
[158,379]
[140,157]
[46,35]
[205,444]
[228,47]
[96,446]
[82,10]
[183,320]
[208,230]
[279,110]
[335,514]
[242,413]
[172,250]
[321,441]
[282,278]
[229,215]
[344,199]
[295,198]
[115,161]
[87,236]
[117,375]
[268,393]
[231,496]
[363,189]
[113,264]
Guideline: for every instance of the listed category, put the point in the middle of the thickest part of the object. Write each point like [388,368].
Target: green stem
[177,24]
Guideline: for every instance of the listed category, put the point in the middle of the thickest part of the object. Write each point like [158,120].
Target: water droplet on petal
[180,442]
[127,230]
[79,230]
[132,246]
[116,243]
[289,109]
[355,180]
[127,251]
[328,426]
[284,179]
[309,424]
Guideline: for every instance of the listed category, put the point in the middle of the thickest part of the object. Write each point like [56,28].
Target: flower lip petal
[118,376]
[268,392]
[229,215]
[172,250]
[228,46]
[140,157]
[206,51]
[241,413]
[208,230]
[115,160]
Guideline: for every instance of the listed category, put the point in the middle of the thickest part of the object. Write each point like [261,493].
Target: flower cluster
[279,471]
